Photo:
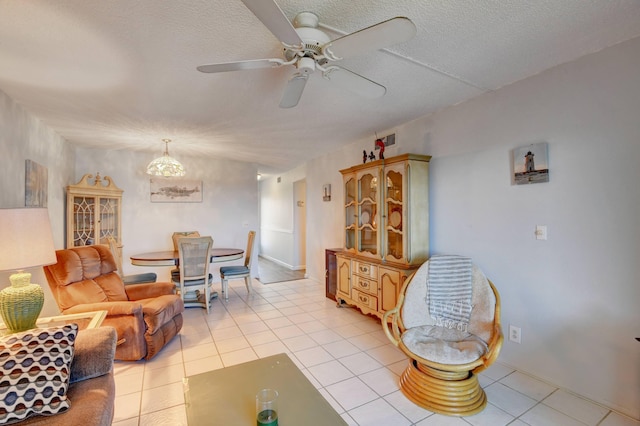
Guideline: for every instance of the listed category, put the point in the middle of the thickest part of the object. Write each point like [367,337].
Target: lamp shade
[166,165]
[25,242]
[25,239]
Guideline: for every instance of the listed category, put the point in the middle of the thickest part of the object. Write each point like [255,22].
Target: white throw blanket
[450,290]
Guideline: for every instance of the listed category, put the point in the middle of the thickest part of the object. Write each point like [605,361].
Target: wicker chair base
[443,392]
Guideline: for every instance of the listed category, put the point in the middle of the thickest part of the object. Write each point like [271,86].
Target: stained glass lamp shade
[166,165]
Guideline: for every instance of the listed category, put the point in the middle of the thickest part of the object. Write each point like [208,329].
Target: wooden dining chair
[238,271]
[145,277]
[174,238]
[177,235]
[194,280]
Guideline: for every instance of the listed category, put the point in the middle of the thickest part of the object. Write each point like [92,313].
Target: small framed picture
[326,192]
[35,184]
[531,164]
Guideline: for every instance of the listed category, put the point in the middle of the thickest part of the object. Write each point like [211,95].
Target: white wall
[24,137]
[277,204]
[299,224]
[576,296]
[228,211]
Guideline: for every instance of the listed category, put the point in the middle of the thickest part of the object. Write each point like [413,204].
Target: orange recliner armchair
[145,316]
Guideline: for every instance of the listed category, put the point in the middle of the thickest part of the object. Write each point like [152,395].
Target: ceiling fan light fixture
[306,65]
[166,165]
[293,91]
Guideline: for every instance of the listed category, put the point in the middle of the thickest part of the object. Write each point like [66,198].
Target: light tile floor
[343,353]
[270,272]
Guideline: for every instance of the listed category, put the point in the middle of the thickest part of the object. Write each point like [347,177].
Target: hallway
[271,272]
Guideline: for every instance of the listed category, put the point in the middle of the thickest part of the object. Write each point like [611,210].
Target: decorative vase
[20,304]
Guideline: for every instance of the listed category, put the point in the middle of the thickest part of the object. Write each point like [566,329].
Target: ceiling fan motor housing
[306,25]
[306,19]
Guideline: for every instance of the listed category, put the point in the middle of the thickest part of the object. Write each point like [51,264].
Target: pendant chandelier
[166,165]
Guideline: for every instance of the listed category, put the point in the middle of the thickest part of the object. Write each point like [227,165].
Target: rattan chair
[445,356]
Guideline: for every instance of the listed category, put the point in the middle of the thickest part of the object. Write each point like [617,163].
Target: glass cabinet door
[109,219]
[350,213]
[368,213]
[394,207]
[84,209]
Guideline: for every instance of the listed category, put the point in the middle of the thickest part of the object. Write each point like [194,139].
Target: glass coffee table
[228,396]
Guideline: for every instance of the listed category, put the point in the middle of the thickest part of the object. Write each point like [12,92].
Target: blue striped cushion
[227,271]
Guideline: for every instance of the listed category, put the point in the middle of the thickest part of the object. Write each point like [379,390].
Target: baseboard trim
[283,264]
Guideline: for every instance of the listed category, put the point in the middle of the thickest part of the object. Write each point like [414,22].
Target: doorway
[300,224]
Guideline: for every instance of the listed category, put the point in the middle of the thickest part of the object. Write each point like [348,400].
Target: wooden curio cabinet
[386,230]
[93,211]
[331,273]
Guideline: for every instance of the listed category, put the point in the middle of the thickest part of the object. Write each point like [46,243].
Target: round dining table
[170,257]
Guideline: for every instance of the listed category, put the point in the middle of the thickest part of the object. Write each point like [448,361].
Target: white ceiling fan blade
[241,65]
[293,91]
[353,82]
[275,20]
[384,34]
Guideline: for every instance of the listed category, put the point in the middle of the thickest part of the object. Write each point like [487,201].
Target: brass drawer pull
[363,299]
[364,284]
[364,269]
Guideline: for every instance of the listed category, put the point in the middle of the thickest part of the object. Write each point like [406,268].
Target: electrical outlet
[541,232]
[514,334]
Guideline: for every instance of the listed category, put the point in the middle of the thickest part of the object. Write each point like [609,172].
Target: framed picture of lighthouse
[531,164]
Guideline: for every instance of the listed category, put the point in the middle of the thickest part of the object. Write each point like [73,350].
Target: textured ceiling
[121,74]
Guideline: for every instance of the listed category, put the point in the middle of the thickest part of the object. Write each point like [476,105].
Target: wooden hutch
[386,231]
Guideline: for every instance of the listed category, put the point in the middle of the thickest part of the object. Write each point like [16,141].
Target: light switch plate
[541,232]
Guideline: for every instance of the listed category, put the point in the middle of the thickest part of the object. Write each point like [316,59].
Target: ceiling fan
[308,49]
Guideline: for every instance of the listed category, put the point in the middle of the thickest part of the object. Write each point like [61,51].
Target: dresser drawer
[365,269]
[364,299]
[366,285]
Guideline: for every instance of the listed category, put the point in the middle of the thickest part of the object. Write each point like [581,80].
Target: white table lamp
[25,242]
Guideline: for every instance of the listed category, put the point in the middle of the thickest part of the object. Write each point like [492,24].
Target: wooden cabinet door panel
[344,277]
[390,281]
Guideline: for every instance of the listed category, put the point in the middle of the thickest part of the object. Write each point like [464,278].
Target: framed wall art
[175,190]
[531,164]
[35,184]
[326,192]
